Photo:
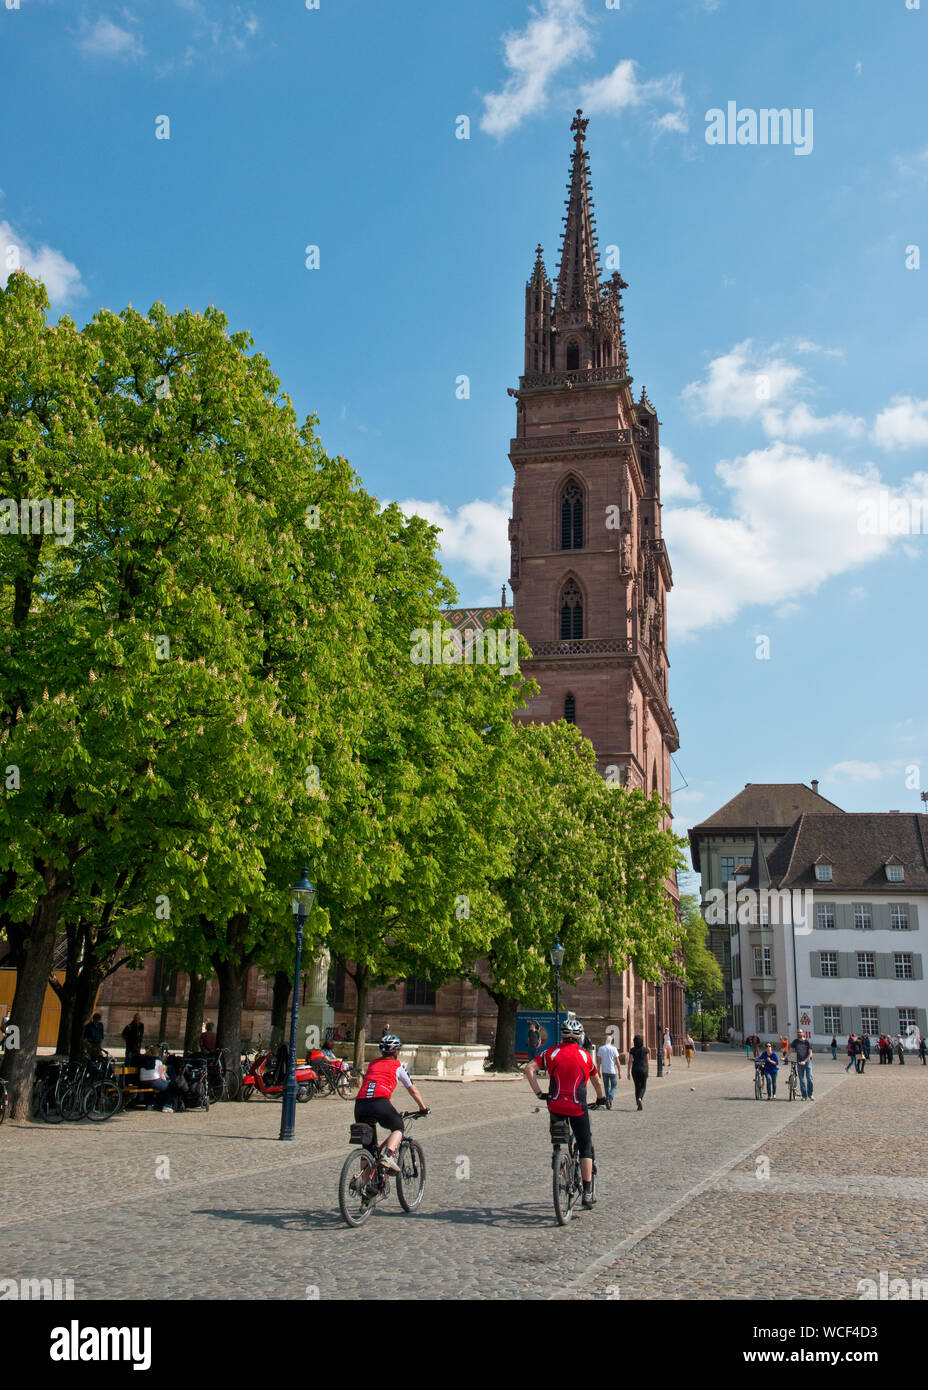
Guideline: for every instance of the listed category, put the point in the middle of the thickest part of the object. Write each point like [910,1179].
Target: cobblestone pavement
[236,1214]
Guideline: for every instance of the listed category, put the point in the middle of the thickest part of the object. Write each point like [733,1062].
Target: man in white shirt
[609,1066]
[152,1073]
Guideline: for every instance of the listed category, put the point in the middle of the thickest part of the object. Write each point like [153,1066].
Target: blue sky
[771,311]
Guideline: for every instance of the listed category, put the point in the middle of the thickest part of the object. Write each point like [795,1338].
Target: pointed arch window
[573,356]
[572,516]
[570,708]
[571,612]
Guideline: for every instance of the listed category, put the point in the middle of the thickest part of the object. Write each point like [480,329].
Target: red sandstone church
[590,577]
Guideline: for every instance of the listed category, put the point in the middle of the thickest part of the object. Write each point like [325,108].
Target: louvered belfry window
[571,612]
[570,709]
[572,517]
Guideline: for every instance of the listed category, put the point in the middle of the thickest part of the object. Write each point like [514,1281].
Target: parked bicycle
[792,1084]
[364,1181]
[758,1079]
[565,1168]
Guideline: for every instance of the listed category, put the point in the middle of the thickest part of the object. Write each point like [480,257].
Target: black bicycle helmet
[390,1044]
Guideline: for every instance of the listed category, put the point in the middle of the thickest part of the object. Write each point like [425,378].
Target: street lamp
[702,1021]
[557,960]
[660,1031]
[302,897]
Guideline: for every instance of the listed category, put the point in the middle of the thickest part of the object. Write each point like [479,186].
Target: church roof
[461,618]
[578,273]
[770,807]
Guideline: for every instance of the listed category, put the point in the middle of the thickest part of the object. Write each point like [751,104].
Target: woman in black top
[638,1067]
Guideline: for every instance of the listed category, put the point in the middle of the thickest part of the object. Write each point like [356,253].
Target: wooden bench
[128,1079]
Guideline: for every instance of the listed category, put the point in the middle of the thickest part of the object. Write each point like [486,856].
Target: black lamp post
[302,897]
[660,1031]
[557,960]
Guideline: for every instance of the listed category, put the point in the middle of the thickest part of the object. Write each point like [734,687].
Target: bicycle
[792,1084]
[364,1181]
[758,1080]
[565,1168]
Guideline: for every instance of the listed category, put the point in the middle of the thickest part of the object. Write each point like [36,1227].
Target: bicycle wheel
[792,1087]
[758,1086]
[72,1100]
[343,1085]
[203,1094]
[410,1180]
[48,1107]
[103,1101]
[563,1186]
[233,1085]
[247,1092]
[354,1201]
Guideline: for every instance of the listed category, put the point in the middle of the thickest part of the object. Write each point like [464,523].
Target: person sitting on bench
[152,1073]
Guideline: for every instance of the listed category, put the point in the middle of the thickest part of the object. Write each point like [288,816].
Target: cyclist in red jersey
[374,1101]
[569,1068]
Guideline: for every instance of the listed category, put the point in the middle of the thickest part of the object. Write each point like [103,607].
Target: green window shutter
[885,969]
[917,966]
[815,964]
[881,920]
[922,1019]
[913,916]
[818,1018]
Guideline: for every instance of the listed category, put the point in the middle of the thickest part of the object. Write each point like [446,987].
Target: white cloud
[903,424]
[857,592]
[807,345]
[621,89]
[475,535]
[793,524]
[555,36]
[747,384]
[675,485]
[912,165]
[852,771]
[108,40]
[60,276]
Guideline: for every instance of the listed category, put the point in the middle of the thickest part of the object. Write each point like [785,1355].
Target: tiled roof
[473,617]
[769,805]
[857,845]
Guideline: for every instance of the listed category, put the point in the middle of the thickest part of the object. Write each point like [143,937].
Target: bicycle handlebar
[416,1114]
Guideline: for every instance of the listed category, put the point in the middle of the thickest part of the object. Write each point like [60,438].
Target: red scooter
[268,1075]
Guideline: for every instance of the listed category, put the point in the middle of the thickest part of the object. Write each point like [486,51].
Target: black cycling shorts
[580,1124]
[379,1112]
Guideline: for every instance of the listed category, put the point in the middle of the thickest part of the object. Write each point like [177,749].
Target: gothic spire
[539,277]
[578,274]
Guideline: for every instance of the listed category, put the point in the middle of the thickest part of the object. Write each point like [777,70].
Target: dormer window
[823,873]
[895,873]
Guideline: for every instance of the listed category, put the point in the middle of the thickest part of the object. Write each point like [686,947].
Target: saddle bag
[363,1134]
[560,1129]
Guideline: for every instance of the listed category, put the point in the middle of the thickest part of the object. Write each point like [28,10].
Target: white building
[857,960]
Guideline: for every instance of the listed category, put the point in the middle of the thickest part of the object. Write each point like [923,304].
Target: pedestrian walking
[638,1056]
[851,1051]
[922,1049]
[860,1059]
[900,1051]
[747,1045]
[834,1049]
[534,1037]
[668,1049]
[803,1050]
[771,1067]
[608,1056]
[867,1047]
[688,1048]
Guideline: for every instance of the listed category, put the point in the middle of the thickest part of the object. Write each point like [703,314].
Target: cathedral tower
[589,569]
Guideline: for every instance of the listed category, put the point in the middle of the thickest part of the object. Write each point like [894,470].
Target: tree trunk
[67,991]
[362,986]
[195,1001]
[233,977]
[279,1001]
[89,979]
[26,1010]
[504,1046]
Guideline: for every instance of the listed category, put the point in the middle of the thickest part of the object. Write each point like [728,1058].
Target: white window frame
[829,959]
[895,873]
[866,965]
[863,917]
[832,1019]
[902,965]
[867,1015]
[907,1017]
[899,916]
[825,910]
[823,873]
